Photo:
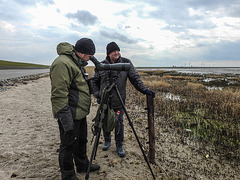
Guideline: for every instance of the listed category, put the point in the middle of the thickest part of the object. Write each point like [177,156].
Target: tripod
[94,151]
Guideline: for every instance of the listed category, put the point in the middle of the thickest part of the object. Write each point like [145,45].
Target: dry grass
[212,115]
[235,78]
[142,73]
[154,72]
[192,78]
[192,85]
[157,84]
[214,76]
[90,71]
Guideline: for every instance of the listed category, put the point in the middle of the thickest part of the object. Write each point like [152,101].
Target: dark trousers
[119,130]
[72,148]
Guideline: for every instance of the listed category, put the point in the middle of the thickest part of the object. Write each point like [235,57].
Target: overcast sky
[149,32]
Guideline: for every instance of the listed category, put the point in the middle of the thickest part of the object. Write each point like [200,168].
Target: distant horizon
[183,66]
[189,67]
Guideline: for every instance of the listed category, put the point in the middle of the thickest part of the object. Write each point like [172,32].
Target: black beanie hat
[112,46]
[85,46]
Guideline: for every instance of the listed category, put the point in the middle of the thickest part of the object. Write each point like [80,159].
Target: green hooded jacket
[70,96]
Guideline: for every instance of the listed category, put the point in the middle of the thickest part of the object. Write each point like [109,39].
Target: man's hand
[150,92]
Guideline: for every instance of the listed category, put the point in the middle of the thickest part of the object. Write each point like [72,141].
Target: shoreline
[7,83]
[225,71]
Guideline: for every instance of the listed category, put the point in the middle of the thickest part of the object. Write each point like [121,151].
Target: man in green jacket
[71,102]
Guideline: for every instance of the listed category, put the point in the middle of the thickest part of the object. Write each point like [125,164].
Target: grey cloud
[160,60]
[11,13]
[124,12]
[234,11]
[115,35]
[14,11]
[213,4]
[79,27]
[223,50]
[210,52]
[184,26]
[179,9]
[176,13]
[40,48]
[84,17]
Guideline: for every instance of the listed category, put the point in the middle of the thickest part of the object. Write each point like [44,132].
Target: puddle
[208,79]
[214,88]
[171,96]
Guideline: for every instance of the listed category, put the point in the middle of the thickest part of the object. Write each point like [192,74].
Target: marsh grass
[207,115]
[192,85]
[189,78]
[157,83]
[154,72]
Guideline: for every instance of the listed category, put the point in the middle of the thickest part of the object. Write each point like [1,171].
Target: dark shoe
[71,178]
[106,145]
[120,151]
[94,167]
[74,178]
[69,175]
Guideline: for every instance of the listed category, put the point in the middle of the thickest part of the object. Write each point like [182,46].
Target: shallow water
[200,70]
[14,73]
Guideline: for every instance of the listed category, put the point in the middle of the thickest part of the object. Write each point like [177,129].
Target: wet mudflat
[198,70]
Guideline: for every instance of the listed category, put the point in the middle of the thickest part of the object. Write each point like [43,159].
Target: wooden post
[150,108]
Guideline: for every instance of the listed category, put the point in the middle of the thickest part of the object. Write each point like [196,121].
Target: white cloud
[227,28]
[159,32]
[7,27]
[45,16]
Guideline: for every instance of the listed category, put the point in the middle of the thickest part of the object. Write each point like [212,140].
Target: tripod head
[114,67]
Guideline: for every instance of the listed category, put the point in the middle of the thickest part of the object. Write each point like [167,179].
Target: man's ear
[80,54]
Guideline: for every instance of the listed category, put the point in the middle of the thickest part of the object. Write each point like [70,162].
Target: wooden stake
[150,108]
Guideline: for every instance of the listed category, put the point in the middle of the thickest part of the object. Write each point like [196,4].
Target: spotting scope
[114,67]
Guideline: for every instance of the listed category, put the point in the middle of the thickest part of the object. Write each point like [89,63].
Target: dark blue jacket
[103,78]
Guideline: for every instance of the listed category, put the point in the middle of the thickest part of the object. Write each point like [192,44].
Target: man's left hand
[150,92]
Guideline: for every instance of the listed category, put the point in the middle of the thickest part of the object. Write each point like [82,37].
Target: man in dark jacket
[104,78]
[70,98]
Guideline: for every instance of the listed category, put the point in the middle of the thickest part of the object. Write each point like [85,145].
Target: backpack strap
[101,109]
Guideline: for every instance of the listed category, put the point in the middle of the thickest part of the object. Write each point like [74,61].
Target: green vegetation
[19,65]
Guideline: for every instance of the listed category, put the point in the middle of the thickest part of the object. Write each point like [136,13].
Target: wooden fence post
[150,108]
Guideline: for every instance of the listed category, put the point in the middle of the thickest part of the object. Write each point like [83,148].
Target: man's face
[114,56]
[84,57]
